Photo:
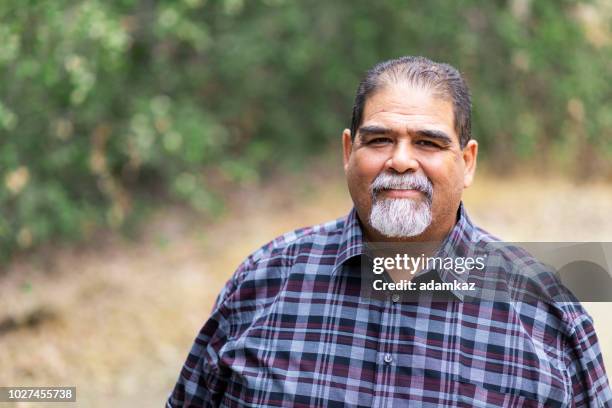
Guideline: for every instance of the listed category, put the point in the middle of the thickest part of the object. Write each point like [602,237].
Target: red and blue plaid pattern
[291,329]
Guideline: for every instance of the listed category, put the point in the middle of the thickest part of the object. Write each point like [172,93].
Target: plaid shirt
[291,329]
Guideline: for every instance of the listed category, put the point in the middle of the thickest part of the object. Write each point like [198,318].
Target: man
[293,328]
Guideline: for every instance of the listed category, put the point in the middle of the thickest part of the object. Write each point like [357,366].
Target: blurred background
[148,146]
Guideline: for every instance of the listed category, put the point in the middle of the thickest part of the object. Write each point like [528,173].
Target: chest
[330,344]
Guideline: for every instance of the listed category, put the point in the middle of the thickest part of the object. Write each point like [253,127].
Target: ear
[470,154]
[347,147]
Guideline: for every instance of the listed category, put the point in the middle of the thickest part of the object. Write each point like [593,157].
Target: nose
[403,158]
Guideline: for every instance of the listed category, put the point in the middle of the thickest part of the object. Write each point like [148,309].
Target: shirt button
[395,298]
[388,358]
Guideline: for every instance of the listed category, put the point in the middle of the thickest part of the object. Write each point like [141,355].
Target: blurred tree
[101,102]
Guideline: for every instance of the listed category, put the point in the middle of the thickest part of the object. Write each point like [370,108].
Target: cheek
[363,169]
[446,174]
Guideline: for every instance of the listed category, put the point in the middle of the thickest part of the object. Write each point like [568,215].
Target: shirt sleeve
[201,382]
[590,387]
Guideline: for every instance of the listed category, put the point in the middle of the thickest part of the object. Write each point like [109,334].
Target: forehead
[405,108]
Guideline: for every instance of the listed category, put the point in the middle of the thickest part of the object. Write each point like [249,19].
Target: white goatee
[401,217]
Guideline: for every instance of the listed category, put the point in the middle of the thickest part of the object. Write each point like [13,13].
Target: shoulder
[269,263]
[524,275]
[512,272]
[528,273]
[518,273]
[284,248]
[529,280]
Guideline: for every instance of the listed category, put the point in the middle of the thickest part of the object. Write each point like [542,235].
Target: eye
[379,141]
[427,143]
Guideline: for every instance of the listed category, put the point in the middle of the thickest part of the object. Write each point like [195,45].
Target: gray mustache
[386,181]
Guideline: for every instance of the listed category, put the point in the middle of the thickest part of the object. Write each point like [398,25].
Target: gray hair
[442,79]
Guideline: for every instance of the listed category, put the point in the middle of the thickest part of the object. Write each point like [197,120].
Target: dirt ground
[116,317]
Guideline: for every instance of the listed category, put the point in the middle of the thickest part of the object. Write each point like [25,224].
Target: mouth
[401,193]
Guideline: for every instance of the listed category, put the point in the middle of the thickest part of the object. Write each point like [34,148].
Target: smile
[401,193]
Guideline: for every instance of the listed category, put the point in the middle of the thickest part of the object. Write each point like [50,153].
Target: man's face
[407,144]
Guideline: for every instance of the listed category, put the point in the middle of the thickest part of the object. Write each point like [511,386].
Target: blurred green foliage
[106,105]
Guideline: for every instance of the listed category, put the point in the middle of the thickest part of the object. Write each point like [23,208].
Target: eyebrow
[439,135]
[435,134]
[373,130]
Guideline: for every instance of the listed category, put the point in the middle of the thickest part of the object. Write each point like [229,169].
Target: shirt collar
[456,244]
[351,241]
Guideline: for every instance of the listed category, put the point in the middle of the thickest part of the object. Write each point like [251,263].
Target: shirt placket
[386,358]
